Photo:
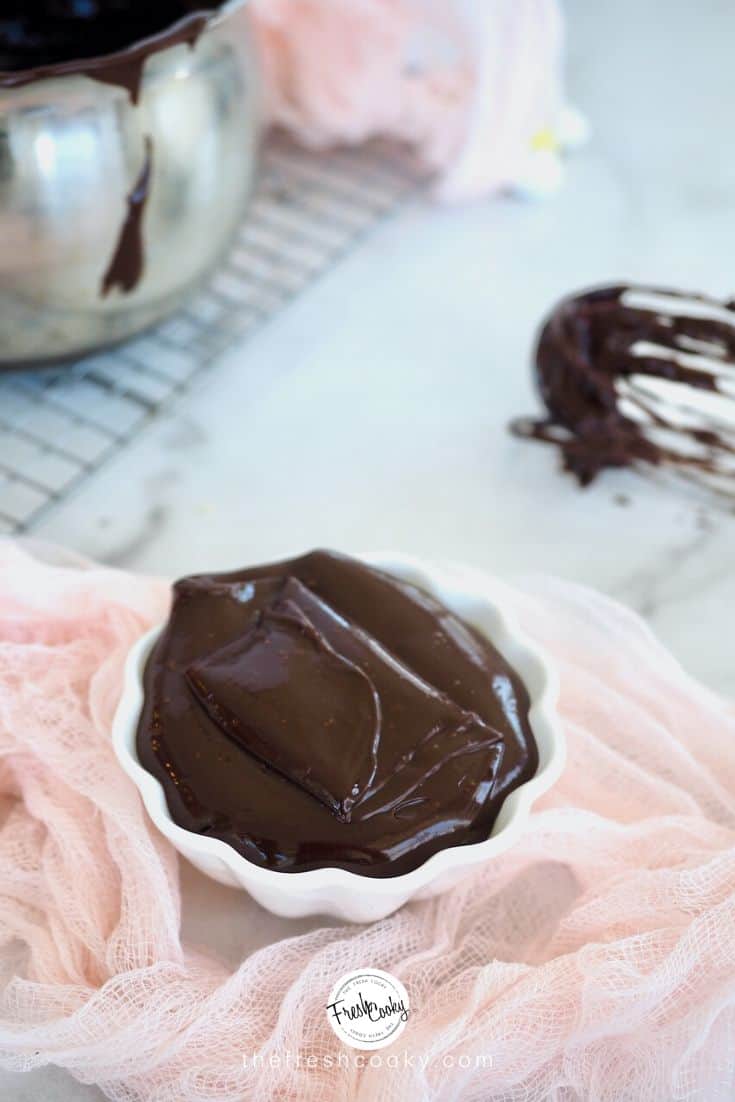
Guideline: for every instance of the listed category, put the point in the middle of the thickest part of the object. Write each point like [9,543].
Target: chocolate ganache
[636,376]
[319,712]
[36,33]
[108,40]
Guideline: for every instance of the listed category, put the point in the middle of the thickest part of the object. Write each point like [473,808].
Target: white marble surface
[372,413]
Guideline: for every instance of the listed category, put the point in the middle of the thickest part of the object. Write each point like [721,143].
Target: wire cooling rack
[58,426]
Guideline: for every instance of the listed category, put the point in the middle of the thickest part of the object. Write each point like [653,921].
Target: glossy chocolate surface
[108,40]
[319,712]
[36,33]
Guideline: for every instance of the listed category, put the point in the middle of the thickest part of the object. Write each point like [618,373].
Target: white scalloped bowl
[479,600]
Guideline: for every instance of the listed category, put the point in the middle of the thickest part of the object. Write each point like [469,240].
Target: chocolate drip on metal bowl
[319,712]
[128,260]
[633,376]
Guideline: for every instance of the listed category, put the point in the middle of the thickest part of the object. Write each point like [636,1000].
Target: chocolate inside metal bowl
[128,135]
[41,33]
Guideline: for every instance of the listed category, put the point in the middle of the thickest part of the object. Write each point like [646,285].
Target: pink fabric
[594,961]
[466,83]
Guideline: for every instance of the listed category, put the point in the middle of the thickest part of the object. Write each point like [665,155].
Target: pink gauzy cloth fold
[468,84]
[596,960]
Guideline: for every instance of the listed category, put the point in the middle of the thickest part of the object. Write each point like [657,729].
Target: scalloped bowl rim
[527,658]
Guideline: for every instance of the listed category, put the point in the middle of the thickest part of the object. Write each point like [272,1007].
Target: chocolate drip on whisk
[638,376]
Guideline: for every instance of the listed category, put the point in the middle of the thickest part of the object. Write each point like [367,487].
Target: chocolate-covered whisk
[636,376]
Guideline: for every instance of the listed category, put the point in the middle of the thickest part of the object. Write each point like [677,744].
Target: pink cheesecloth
[595,960]
[469,85]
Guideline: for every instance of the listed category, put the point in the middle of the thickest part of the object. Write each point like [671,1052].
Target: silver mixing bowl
[71,151]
